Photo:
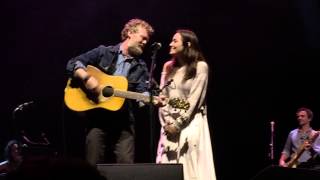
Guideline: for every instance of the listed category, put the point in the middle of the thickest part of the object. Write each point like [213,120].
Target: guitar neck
[132,95]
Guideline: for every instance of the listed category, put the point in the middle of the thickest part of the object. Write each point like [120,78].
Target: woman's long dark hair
[191,53]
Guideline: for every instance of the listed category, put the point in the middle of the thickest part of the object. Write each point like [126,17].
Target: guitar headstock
[179,103]
[314,136]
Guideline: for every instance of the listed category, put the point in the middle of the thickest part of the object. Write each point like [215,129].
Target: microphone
[272,126]
[156,46]
[167,84]
[107,91]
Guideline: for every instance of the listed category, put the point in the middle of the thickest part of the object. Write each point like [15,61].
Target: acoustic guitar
[112,96]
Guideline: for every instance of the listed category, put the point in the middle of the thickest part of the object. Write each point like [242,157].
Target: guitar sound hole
[107,91]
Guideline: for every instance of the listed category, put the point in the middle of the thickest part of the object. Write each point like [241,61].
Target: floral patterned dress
[192,146]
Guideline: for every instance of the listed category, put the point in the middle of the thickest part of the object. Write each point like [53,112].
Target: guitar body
[293,163]
[77,100]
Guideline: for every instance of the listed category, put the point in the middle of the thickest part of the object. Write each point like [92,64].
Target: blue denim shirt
[105,58]
[123,65]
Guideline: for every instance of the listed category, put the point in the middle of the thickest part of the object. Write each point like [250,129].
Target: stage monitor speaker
[276,172]
[141,171]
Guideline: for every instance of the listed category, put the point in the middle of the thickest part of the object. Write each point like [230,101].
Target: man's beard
[135,51]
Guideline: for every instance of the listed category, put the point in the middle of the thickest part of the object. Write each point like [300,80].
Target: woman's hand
[160,101]
[170,129]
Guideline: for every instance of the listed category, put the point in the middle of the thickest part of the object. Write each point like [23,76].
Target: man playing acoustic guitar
[303,144]
[110,136]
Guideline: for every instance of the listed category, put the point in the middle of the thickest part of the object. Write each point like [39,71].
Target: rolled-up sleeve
[287,146]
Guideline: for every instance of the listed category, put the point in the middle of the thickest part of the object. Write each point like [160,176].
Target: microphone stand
[14,124]
[271,145]
[151,106]
[14,120]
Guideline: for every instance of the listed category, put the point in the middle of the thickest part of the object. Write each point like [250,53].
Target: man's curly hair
[131,26]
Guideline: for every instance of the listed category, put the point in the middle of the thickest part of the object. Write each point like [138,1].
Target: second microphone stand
[271,145]
[152,91]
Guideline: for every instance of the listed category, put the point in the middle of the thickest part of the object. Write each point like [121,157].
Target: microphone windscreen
[156,45]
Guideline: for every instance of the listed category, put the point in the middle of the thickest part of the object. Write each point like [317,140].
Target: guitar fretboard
[131,95]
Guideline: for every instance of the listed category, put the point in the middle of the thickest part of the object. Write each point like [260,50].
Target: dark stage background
[262,54]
